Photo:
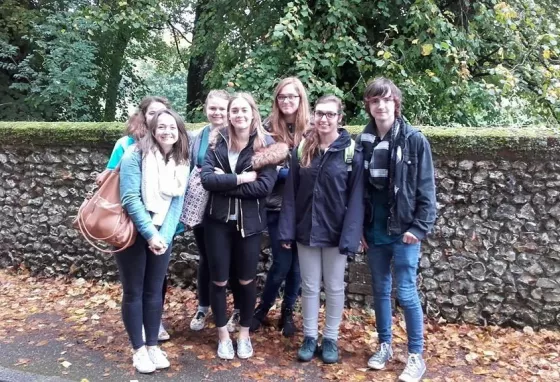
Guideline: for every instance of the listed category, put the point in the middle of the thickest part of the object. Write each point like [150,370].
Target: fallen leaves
[85,314]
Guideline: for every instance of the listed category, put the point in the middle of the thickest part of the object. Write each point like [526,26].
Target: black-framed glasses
[329,115]
[289,97]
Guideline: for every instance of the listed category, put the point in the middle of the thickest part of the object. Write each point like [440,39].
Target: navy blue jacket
[324,203]
[414,196]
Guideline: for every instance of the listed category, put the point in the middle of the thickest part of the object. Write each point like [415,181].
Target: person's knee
[220,283]
[245,282]
[407,296]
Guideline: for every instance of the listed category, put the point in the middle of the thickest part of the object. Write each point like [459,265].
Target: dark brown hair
[180,150]
[312,140]
[279,126]
[380,87]
[136,126]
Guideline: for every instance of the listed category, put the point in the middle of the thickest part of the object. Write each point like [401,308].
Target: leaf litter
[90,312]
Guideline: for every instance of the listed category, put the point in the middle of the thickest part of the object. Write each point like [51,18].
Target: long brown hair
[279,126]
[180,150]
[256,124]
[312,139]
[136,126]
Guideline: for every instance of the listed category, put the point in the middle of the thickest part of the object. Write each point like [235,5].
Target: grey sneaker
[244,348]
[380,358]
[233,321]
[198,322]
[414,370]
[225,349]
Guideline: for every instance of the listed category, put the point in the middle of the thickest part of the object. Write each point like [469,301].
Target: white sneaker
[142,362]
[244,348]
[158,357]
[233,321]
[414,370]
[225,349]
[162,334]
[198,322]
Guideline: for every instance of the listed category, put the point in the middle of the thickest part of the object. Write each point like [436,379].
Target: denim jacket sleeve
[131,193]
[425,213]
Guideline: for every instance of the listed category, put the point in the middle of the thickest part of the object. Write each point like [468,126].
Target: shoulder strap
[300,149]
[349,154]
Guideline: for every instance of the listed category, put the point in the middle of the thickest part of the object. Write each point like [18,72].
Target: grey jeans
[326,264]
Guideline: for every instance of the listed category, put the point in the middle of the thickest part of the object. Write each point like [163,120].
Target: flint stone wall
[494,255]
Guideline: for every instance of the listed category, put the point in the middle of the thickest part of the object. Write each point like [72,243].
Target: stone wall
[494,255]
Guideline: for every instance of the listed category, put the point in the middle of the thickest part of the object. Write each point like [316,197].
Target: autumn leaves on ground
[89,311]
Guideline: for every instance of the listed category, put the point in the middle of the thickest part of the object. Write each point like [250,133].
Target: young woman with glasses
[287,123]
[323,212]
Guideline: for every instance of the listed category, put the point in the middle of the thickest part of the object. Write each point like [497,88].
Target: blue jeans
[285,266]
[405,263]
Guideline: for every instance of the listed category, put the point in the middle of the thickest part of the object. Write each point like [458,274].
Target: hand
[364,244]
[287,245]
[247,177]
[218,171]
[157,245]
[409,238]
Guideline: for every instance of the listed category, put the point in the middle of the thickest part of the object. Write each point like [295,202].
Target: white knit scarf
[161,182]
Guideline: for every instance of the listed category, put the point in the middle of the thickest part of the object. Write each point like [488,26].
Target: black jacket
[225,194]
[323,204]
[413,206]
[274,200]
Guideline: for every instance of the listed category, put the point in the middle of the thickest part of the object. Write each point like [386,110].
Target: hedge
[491,143]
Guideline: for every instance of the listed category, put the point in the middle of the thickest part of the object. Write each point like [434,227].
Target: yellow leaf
[427,49]
[415,41]
[546,54]
[387,55]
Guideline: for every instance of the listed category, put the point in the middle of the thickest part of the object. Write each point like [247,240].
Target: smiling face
[240,114]
[166,133]
[288,100]
[216,111]
[152,110]
[382,109]
[327,117]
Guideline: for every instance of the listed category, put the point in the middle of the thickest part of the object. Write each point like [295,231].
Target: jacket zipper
[211,203]
[259,210]
[241,213]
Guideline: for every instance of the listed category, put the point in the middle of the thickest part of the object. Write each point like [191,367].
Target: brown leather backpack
[102,217]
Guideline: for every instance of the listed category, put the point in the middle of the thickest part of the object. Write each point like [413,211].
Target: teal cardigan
[131,200]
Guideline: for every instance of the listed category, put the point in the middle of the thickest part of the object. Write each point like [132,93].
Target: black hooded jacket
[250,198]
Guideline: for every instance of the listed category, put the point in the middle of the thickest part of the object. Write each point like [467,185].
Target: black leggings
[203,275]
[142,276]
[227,249]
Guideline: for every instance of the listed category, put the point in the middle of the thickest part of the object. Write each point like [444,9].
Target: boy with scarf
[400,212]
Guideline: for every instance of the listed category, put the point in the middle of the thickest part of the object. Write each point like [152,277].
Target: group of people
[299,175]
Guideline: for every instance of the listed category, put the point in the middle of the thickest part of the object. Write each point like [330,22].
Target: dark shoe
[287,322]
[258,317]
[307,349]
[329,351]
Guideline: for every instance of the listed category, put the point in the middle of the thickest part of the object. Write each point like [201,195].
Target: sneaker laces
[329,345]
[383,352]
[413,365]
[308,343]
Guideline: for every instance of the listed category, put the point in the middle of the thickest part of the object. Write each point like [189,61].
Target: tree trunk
[200,63]
[114,76]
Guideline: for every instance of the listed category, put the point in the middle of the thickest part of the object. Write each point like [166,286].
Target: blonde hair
[279,126]
[222,94]
[312,140]
[256,124]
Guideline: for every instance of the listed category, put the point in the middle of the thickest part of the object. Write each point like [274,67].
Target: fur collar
[272,153]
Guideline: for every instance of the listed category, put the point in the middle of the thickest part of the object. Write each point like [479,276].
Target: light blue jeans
[405,263]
